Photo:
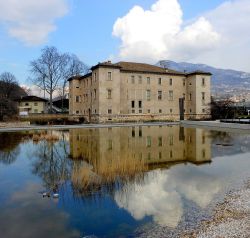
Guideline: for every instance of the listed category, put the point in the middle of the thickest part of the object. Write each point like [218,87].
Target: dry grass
[44,136]
[108,172]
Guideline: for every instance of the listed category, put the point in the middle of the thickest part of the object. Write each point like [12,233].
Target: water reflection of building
[109,149]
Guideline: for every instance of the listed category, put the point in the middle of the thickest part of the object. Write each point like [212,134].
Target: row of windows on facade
[161,140]
[133,80]
[148,145]
[27,104]
[148,96]
[140,111]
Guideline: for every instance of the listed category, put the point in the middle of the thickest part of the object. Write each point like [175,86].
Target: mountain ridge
[230,81]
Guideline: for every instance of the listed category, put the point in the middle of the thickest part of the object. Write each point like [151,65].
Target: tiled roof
[147,68]
[31,99]
[199,72]
[140,68]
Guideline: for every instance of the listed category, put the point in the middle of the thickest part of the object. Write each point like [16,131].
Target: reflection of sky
[161,194]
[27,214]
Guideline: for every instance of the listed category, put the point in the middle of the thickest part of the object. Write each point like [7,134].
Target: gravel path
[231,218]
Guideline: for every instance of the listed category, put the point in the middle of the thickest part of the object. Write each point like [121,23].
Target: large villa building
[127,91]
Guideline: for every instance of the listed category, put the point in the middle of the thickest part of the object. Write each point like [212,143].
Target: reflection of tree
[52,163]
[9,147]
[221,136]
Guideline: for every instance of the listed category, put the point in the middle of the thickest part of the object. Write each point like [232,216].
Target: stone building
[127,91]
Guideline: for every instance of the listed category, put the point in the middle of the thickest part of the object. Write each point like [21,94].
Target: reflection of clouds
[196,186]
[160,195]
[153,198]
[27,214]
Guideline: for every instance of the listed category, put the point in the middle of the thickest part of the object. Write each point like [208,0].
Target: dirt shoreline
[231,218]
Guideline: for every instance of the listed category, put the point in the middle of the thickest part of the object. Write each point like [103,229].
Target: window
[109,76]
[77,99]
[149,156]
[203,82]
[184,82]
[94,93]
[36,111]
[148,80]
[26,104]
[171,95]
[203,139]
[160,141]
[203,96]
[109,111]
[148,110]
[95,77]
[148,141]
[160,111]
[140,104]
[203,110]
[133,131]
[140,131]
[204,153]
[133,111]
[171,82]
[171,140]
[160,155]
[140,111]
[190,96]
[140,79]
[77,86]
[110,144]
[133,104]
[159,81]
[171,110]
[35,104]
[77,112]
[159,95]
[132,79]
[148,94]
[190,110]
[109,93]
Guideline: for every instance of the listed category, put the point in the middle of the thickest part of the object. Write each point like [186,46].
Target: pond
[115,182]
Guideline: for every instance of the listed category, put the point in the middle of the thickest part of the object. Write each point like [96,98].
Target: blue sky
[85,29]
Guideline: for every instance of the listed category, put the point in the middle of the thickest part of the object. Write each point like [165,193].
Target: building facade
[128,91]
[32,105]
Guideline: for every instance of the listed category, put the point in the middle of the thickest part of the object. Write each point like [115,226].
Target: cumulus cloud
[161,194]
[232,21]
[31,21]
[159,33]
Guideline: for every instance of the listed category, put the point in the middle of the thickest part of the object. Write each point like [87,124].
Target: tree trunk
[50,102]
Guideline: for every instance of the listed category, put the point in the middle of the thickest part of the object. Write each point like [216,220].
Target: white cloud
[31,21]
[220,37]
[232,21]
[159,33]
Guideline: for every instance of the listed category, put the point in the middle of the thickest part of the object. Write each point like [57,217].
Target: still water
[115,182]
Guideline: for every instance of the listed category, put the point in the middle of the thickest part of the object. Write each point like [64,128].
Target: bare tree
[48,70]
[8,84]
[222,109]
[9,91]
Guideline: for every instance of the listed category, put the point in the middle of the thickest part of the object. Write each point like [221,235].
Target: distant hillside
[226,79]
